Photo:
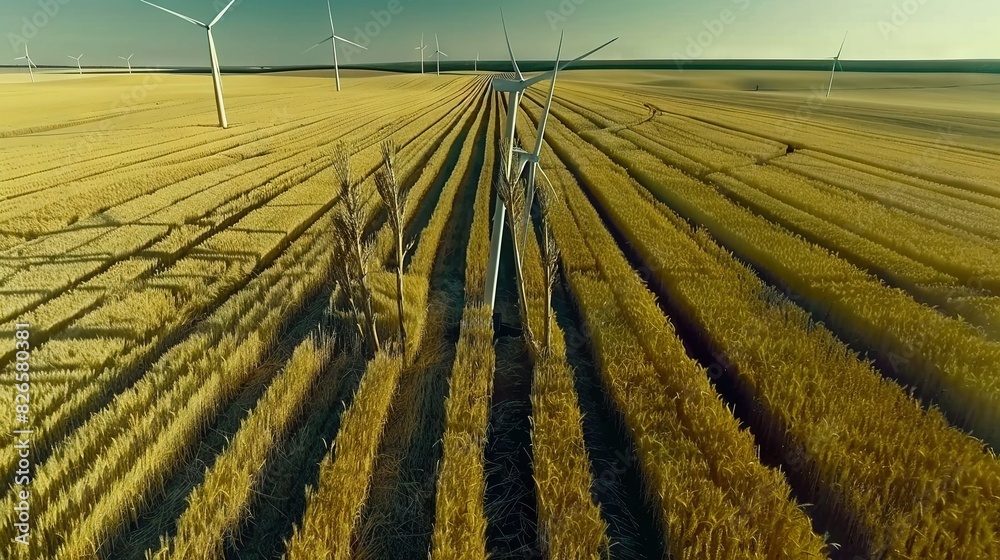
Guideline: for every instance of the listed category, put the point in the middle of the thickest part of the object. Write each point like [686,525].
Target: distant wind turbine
[836,63]
[127,61]
[77,59]
[438,53]
[476,67]
[333,38]
[216,74]
[27,59]
[514,85]
[421,49]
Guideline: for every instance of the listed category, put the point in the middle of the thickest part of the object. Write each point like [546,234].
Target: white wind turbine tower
[27,59]
[476,67]
[438,53]
[421,49]
[514,86]
[216,74]
[77,59]
[333,38]
[127,61]
[836,63]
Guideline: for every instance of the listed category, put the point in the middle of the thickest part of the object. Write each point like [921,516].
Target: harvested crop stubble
[868,455]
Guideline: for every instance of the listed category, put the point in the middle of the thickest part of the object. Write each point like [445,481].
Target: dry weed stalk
[394,197]
[550,260]
[349,225]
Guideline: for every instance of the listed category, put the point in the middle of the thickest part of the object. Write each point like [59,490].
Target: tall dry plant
[511,192]
[550,260]
[394,198]
[344,277]
[349,224]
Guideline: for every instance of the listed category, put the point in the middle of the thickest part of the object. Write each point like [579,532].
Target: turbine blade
[329,9]
[548,104]
[222,13]
[341,39]
[182,16]
[318,44]
[437,45]
[443,53]
[546,75]
[517,70]
[842,46]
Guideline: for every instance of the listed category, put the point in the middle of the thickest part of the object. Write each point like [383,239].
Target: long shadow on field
[161,514]
[510,500]
[398,518]
[295,466]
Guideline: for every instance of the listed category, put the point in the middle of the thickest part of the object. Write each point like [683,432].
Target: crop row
[217,507]
[333,509]
[946,358]
[971,212]
[896,477]
[139,442]
[960,254]
[701,471]
[459,531]
[237,196]
[939,159]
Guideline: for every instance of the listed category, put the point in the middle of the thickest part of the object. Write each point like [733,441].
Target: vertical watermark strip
[22,433]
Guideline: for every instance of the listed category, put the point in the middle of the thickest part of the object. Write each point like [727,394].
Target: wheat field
[749,321]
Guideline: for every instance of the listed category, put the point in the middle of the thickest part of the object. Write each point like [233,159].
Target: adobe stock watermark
[562,13]
[700,42]
[899,17]
[127,101]
[365,34]
[33,24]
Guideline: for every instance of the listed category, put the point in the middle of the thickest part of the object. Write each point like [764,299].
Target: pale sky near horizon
[272,32]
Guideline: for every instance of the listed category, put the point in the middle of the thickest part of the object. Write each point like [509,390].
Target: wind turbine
[836,63]
[29,62]
[127,61]
[216,74]
[524,158]
[77,59]
[333,38]
[421,49]
[476,67]
[514,85]
[438,52]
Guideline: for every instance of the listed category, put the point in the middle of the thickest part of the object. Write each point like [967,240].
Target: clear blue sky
[275,32]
